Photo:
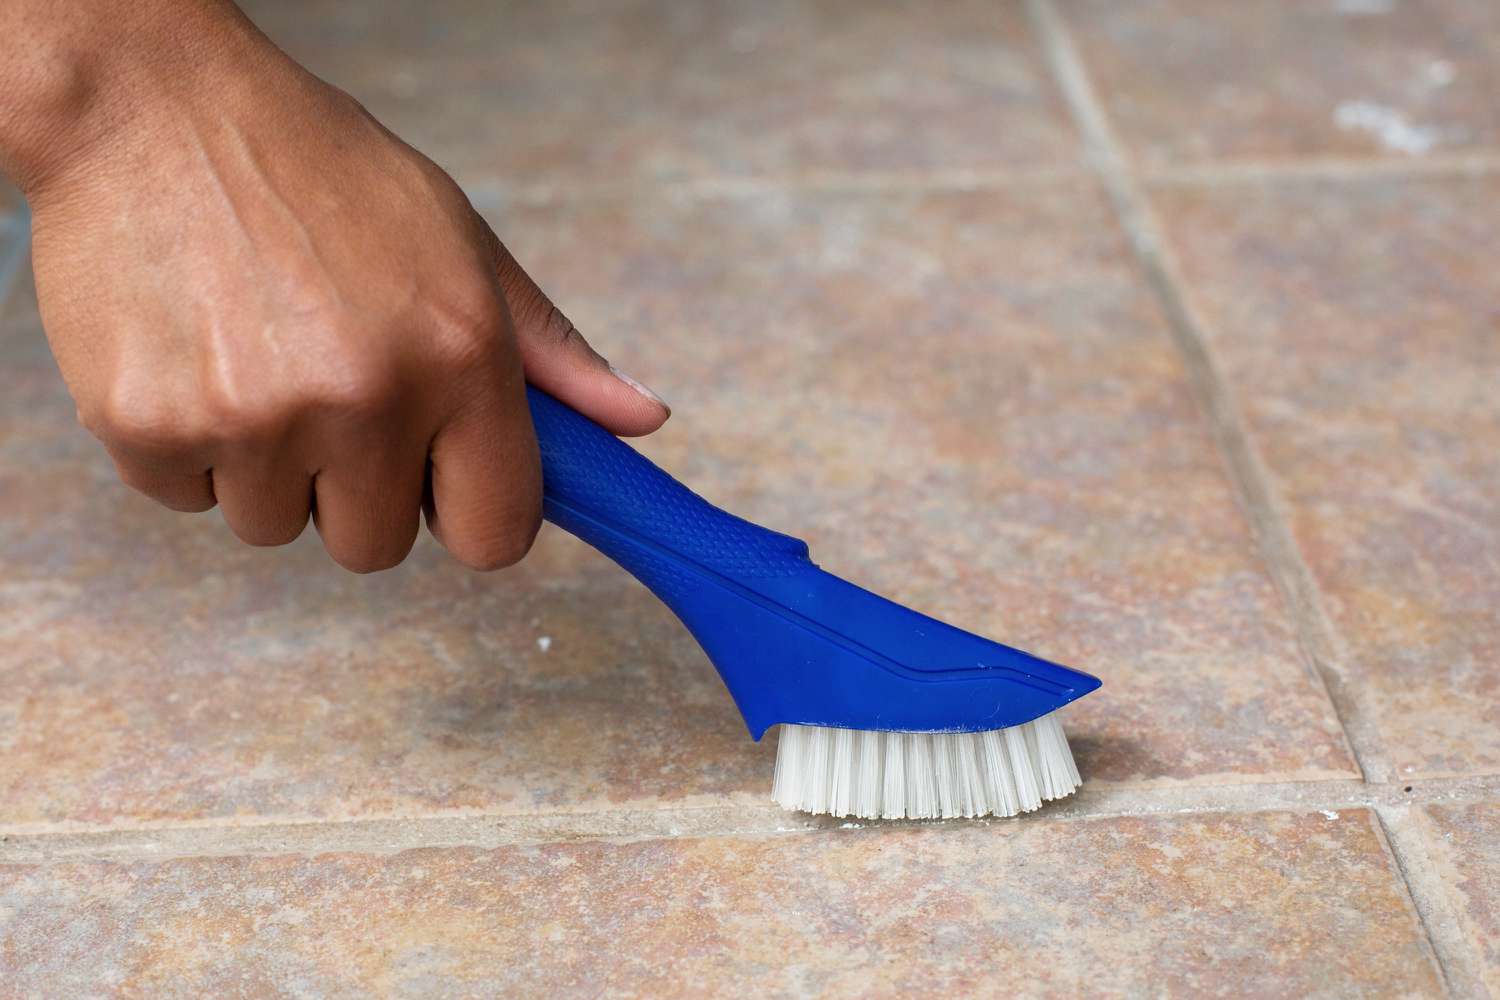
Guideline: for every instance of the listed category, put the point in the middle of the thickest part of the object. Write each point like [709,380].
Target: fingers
[154,452]
[558,360]
[264,502]
[188,492]
[368,505]
[486,481]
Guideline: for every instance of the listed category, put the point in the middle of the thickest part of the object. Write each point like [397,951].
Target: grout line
[1316,634]
[1419,910]
[491,194]
[1463,165]
[1457,958]
[714,188]
[738,816]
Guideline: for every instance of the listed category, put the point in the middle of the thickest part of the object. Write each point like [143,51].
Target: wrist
[101,83]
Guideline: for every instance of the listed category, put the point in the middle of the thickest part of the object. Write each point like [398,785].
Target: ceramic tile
[544,94]
[965,401]
[155,668]
[962,400]
[1465,845]
[1013,449]
[1356,322]
[1188,81]
[1255,905]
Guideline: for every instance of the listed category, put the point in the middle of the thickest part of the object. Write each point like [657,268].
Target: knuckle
[467,329]
[232,415]
[357,391]
[238,420]
[374,554]
[141,422]
[177,493]
[502,549]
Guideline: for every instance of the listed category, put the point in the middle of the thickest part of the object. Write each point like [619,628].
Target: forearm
[82,76]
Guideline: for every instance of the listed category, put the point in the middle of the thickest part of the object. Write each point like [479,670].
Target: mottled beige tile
[541,94]
[1357,324]
[965,401]
[1256,905]
[1465,846]
[1188,81]
[153,667]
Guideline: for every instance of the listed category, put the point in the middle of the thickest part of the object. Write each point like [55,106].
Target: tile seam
[715,187]
[1231,172]
[727,188]
[1455,953]
[392,834]
[1320,642]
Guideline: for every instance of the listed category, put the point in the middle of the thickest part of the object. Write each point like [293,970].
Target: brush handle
[792,643]
[601,489]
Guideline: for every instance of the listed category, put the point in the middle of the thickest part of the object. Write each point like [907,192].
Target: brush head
[878,775]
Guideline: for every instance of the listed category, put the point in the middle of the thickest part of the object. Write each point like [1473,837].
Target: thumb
[559,361]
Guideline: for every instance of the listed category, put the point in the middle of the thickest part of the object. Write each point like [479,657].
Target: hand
[261,299]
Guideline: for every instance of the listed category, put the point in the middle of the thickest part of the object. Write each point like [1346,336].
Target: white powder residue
[1440,73]
[1387,125]
[544,643]
[1364,8]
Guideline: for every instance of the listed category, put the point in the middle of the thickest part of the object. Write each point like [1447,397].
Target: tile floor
[1159,338]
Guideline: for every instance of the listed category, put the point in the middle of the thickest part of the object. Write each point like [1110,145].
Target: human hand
[261,299]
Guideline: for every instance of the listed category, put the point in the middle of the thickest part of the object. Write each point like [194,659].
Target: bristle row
[873,775]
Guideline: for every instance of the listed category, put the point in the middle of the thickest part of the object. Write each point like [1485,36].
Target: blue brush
[884,712]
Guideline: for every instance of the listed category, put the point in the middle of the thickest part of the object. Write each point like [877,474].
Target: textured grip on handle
[602,490]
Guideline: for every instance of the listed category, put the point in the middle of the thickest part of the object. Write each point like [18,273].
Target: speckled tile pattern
[861,252]
[1072,504]
[1188,81]
[552,93]
[1465,842]
[1382,437]
[1013,448]
[156,670]
[1163,906]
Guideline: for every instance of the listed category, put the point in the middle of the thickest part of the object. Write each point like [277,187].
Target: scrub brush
[885,712]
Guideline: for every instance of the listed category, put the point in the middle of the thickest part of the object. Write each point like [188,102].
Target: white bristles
[874,775]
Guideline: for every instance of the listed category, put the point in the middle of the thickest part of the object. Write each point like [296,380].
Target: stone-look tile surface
[1254,905]
[1465,844]
[550,93]
[1188,81]
[154,668]
[962,400]
[1357,323]
[201,682]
